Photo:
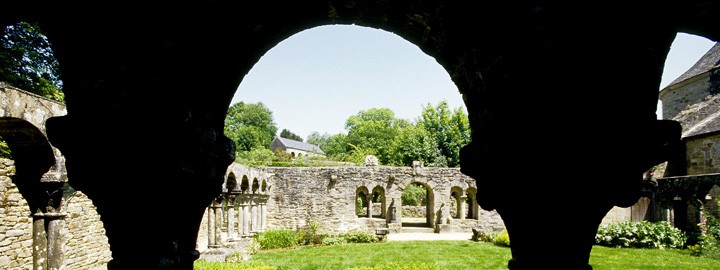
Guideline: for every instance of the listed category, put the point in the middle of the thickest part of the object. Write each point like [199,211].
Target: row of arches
[231,185]
[374,204]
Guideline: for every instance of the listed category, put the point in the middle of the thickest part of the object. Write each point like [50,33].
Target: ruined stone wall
[86,245]
[328,194]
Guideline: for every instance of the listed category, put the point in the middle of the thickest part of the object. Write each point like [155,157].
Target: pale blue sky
[316,79]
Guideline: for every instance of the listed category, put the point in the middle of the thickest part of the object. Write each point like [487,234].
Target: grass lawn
[451,255]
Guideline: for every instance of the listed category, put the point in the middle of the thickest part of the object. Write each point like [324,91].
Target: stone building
[295,148]
[690,182]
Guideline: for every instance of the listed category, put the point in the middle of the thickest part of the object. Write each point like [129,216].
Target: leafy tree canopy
[289,135]
[250,126]
[27,61]
[374,129]
[450,129]
[414,143]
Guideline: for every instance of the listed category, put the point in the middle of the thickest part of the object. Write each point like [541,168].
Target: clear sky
[316,79]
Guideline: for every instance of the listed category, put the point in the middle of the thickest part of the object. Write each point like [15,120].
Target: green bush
[502,239]
[333,240]
[255,157]
[709,242]
[414,194]
[402,266]
[277,238]
[358,236]
[309,235]
[641,234]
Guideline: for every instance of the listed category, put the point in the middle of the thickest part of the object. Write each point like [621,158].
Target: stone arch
[292,154]
[378,196]
[473,207]
[231,183]
[245,184]
[457,201]
[264,186]
[255,185]
[429,206]
[361,201]
[33,156]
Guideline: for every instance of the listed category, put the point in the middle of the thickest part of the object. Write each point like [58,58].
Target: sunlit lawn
[454,255]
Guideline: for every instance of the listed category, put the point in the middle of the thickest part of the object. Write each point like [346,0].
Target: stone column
[246,215]
[56,241]
[253,214]
[231,217]
[48,241]
[462,212]
[263,213]
[240,216]
[369,205]
[211,226]
[40,242]
[215,224]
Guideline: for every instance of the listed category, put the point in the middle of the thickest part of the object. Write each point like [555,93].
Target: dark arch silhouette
[165,78]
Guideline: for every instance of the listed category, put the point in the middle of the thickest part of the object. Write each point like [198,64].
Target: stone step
[416,230]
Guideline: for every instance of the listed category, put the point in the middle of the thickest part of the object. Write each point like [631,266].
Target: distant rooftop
[300,145]
[705,64]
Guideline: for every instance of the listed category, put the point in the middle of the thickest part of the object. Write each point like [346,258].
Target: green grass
[428,255]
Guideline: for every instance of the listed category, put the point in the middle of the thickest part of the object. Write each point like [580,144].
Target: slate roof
[706,62]
[701,118]
[300,145]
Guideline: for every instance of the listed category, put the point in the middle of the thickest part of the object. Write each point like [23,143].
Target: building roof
[288,143]
[702,117]
[705,64]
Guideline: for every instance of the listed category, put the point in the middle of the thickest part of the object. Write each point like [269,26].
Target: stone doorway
[417,204]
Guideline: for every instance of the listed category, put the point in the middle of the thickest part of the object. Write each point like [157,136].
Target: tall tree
[450,129]
[374,129]
[250,126]
[289,135]
[334,146]
[27,61]
[415,143]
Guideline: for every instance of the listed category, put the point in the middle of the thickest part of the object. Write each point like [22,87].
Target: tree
[289,135]
[27,61]
[450,129]
[334,146]
[250,126]
[414,143]
[374,129]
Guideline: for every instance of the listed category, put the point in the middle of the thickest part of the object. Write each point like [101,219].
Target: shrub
[333,240]
[502,239]
[277,238]
[641,234]
[310,235]
[358,236]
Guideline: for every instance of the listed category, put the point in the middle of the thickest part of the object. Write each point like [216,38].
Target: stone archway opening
[418,207]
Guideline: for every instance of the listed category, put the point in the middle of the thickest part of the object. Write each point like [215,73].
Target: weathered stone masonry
[85,245]
[328,195]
